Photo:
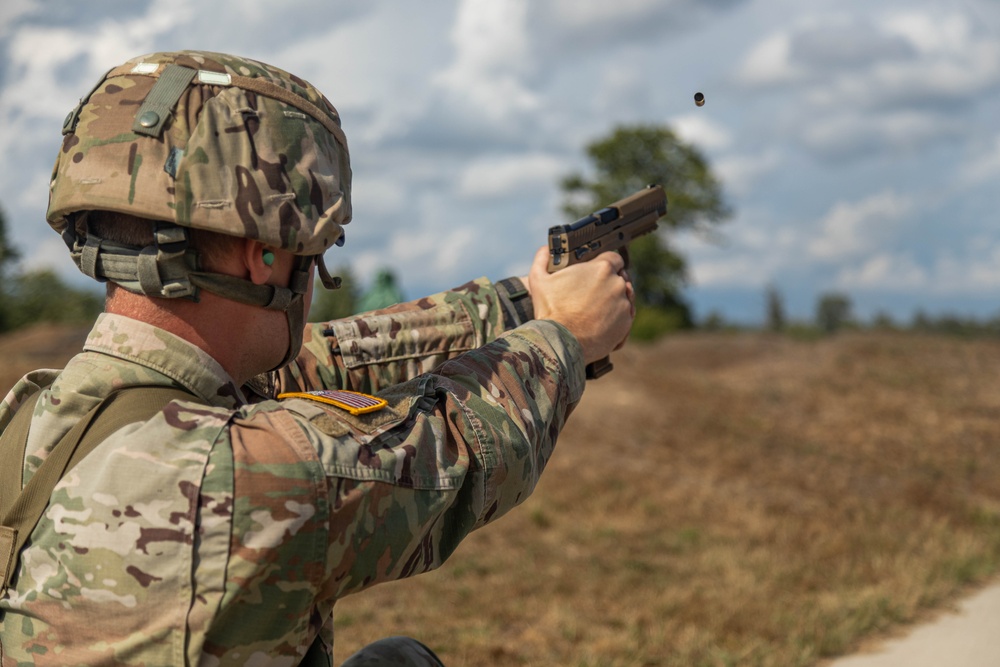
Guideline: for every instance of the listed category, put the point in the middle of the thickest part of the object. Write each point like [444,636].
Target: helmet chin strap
[295,312]
[171,269]
[289,299]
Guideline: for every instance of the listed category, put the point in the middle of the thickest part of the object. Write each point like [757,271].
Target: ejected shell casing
[699,99]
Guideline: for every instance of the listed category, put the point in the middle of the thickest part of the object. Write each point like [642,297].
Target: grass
[730,500]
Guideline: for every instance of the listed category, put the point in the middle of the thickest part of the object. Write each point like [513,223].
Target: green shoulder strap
[20,513]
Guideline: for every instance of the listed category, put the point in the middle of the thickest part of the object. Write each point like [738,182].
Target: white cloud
[755,250]
[932,34]
[884,271]
[861,83]
[849,134]
[741,271]
[851,229]
[977,271]
[492,56]
[971,270]
[769,63]
[510,175]
[576,14]
[378,196]
[434,255]
[700,130]
[984,166]
[739,173]
[50,252]
[10,11]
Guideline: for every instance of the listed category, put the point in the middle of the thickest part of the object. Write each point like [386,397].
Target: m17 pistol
[611,228]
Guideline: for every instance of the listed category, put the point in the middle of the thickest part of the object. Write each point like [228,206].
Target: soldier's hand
[594,300]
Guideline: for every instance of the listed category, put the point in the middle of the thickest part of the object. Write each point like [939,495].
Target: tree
[384,293]
[335,304]
[627,160]
[8,255]
[833,311]
[883,320]
[775,309]
[42,296]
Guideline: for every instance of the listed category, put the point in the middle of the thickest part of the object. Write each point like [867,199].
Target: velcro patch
[353,402]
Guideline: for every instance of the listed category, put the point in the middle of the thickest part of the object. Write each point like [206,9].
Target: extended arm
[371,351]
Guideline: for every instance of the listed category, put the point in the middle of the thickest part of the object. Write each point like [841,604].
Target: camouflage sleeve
[455,449]
[375,350]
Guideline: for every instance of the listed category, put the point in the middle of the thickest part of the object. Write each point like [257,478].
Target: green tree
[883,320]
[383,293]
[335,304]
[8,255]
[775,309]
[833,312]
[627,160]
[42,296]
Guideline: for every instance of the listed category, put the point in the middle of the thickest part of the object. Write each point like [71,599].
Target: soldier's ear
[257,259]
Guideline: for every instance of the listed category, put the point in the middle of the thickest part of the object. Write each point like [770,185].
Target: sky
[857,142]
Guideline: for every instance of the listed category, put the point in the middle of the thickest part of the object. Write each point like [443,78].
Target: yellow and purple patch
[354,402]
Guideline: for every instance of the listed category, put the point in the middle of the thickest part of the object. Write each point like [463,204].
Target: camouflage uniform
[223,534]
[223,530]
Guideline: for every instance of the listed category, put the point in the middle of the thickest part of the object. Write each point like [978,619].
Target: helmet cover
[208,141]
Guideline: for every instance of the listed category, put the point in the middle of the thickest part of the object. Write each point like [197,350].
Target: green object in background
[383,293]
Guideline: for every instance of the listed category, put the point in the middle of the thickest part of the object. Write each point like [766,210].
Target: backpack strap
[21,513]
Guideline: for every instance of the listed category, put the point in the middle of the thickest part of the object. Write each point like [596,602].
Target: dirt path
[968,636]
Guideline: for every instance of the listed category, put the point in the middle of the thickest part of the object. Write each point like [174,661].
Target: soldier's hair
[135,231]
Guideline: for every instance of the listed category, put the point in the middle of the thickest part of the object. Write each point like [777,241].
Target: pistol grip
[599,368]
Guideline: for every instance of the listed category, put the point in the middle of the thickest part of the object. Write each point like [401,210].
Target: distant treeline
[834,312]
[42,296]
[35,296]
[29,297]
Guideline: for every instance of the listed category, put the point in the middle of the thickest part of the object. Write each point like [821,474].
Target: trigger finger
[616,261]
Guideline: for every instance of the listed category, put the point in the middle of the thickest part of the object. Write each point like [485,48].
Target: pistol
[611,228]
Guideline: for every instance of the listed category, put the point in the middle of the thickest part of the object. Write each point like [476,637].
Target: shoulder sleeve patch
[353,402]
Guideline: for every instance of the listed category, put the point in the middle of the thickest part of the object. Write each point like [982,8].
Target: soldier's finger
[616,261]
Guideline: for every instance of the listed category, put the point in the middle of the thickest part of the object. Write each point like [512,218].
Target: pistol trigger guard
[623,251]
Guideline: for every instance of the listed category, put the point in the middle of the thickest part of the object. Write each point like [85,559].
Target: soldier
[286,465]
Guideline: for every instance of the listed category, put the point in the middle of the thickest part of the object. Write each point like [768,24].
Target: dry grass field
[730,500]
[39,346]
[720,499]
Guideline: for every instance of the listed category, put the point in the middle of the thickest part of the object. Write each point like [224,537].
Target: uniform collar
[163,352]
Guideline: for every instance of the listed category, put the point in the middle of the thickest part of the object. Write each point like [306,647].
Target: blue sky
[857,142]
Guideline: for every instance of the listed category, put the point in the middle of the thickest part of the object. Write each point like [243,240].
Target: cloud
[570,27]
[50,252]
[887,60]
[982,167]
[11,12]
[851,229]
[502,176]
[769,63]
[975,271]
[885,272]
[756,249]
[739,173]
[849,135]
[492,57]
[882,83]
[850,43]
[699,129]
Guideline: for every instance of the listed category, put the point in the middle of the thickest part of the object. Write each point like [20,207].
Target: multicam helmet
[209,141]
[206,141]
